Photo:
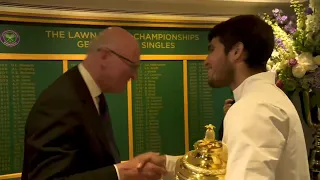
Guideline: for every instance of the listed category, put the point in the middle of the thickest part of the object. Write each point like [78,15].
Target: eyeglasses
[128,61]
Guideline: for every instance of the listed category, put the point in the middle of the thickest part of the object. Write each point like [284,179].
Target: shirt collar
[267,77]
[94,89]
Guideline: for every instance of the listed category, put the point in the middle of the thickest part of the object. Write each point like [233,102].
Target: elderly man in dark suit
[69,134]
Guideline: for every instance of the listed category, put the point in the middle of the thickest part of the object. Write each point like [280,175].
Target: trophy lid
[207,161]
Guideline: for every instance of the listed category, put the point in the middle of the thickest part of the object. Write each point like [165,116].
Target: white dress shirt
[263,133]
[94,90]
[171,166]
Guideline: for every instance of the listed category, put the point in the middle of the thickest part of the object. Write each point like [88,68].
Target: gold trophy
[311,115]
[208,160]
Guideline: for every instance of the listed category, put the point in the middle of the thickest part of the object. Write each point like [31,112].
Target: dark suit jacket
[64,135]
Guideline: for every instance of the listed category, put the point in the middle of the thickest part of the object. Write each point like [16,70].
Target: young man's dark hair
[255,34]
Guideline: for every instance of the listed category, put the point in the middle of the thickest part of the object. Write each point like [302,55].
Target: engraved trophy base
[185,174]
[208,160]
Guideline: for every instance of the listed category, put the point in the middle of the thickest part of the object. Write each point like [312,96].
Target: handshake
[148,166]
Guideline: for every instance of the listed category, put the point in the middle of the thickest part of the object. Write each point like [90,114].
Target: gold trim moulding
[65,66]
[109,16]
[101,23]
[71,57]
[185,105]
[130,121]
[9,176]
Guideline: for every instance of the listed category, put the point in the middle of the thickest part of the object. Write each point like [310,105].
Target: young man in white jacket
[262,129]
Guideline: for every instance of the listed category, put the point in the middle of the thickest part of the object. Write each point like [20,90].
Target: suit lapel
[111,140]
[90,113]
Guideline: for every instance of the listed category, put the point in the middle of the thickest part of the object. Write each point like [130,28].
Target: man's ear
[237,51]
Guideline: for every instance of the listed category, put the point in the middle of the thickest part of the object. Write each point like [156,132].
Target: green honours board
[205,104]
[21,82]
[158,115]
[49,39]
[118,107]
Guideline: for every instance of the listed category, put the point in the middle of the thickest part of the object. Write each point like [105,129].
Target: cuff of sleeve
[117,171]
[171,163]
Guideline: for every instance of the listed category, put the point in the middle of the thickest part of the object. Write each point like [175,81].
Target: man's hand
[148,166]
[227,104]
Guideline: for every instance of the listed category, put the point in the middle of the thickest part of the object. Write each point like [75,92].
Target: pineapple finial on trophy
[210,133]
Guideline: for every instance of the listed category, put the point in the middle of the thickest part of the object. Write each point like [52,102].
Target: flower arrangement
[296,56]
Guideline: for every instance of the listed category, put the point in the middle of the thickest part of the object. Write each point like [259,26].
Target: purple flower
[293,62]
[279,43]
[308,11]
[282,19]
[290,28]
[276,11]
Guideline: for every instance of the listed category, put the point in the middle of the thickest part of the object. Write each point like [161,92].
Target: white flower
[298,71]
[315,5]
[276,67]
[270,64]
[306,60]
[275,53]
[269,67]
[316,60]
[310,26]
